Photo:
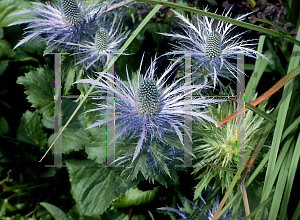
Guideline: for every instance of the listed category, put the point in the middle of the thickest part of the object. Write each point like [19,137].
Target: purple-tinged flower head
[95,47]
[211,46]
[62,22]
[146,107]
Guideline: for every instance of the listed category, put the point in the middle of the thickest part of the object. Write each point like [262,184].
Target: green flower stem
[122,49]
[225,19]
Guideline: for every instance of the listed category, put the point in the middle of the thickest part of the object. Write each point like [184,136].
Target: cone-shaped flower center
[213,46]
[71,12]
[101,40]
[147,99]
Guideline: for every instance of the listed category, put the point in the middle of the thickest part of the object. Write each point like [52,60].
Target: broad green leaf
[8,8]
[17,217]
[74,214]
[96,151]
[4,128]
[135,197]
[74,137]
[39,85]
[34,46]
[57,213]
[94,116]
[30,130]
[3,66]
[1,33]
[94,188]
[15,55]
[48,122]
[5,48]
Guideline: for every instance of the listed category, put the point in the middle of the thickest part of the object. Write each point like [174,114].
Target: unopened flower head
[146,107]
[67,21]
[96,46]
[212,46]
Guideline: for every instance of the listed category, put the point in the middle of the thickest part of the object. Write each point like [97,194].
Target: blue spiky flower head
[60,23]
[211,46]
[95,47]
[146,108]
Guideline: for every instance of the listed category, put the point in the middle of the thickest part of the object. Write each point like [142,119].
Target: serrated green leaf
[30,130]
[94,188]
[57,213]
[135,197]
[8,8]
[4,128]
[74,137]
[39,85]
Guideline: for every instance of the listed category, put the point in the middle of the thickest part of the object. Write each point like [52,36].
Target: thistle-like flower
[146,108]
[211,46]
[93,50]
[218,145]
[59,23]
